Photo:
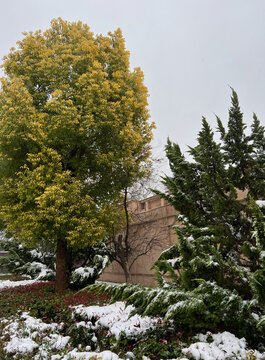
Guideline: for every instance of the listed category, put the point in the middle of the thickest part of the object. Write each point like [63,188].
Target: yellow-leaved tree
[74,131]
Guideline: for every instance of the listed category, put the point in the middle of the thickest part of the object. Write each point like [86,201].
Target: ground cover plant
[36,323]
[41,301]
[38,300]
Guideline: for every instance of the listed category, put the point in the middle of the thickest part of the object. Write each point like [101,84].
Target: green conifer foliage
[215,243]
[259,236]
[217,268]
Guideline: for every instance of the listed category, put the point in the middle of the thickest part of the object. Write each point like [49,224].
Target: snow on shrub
[30,335]
[116,318]
[221,346]
[39,263]
[85,275]
[37,270]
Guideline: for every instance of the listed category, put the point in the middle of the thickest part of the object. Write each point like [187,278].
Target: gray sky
[191,51]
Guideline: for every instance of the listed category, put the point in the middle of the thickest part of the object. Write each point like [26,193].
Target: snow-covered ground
[28,334]
[8,283]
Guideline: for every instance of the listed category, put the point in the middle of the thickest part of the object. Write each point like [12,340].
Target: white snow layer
[28,334]
[43,270]
[260,203]
[74,354]
[84,272]
[8,283]
[224,346]
[115,317]
[24,331]
[20,345]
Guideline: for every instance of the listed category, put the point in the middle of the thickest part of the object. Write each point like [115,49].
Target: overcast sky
[191,51]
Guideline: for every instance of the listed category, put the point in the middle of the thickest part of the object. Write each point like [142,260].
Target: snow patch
[84,272]
[9,284]
[224,346]
[74,354]
[116,318]
[260,203]
[20,345]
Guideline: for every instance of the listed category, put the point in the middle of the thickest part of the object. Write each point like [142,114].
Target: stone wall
[154,217]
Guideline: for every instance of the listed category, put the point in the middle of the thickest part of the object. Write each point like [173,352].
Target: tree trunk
[61,267]
[127,273]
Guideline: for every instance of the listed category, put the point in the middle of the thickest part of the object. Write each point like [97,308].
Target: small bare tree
[138,237]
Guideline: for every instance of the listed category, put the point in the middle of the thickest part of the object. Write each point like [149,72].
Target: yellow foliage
[74,131]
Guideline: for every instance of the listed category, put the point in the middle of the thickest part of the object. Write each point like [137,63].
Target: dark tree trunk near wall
[127,273]
[61,267]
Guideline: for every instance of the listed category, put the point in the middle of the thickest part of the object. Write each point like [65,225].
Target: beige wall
[154,218]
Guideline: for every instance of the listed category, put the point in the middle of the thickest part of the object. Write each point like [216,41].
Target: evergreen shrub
[217,268]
